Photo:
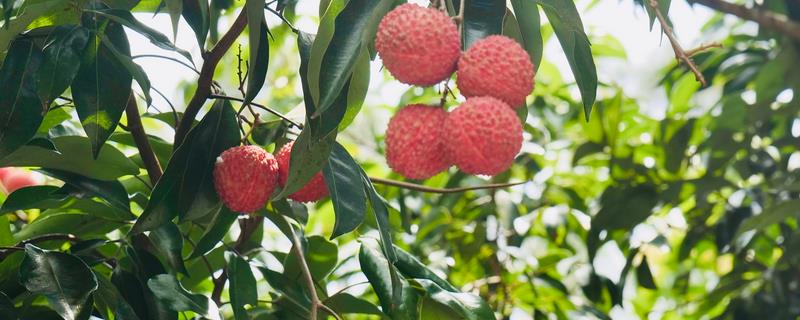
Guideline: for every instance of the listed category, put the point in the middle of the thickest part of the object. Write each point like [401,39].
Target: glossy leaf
[464,305]
[169,291]
[529,22]
[110,298]
[62,57]
[74,155]
[133,69]
[259,48]
[32,197]
[63,279]
[343,178]
[21,110]
[243,289]
[381,212]
[175,9]
[78,223]
[482,18]
[110,191]
[127,19]
[357,89]
[186,190]
[411,267]
[321,257]
[378,271]
[309,156]
[169,242]
[102,87]
[196,14]
[568,27]
[218,228]
[345,303]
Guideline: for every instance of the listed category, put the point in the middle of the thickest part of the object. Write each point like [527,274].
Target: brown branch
[680,54]
[297,250]
[764,18]
[46,237]
[260,106]
[703,47]
[142,143]
[419,187]
[204,82]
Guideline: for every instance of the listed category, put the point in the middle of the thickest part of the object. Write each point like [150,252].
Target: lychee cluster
[481,136]
[13,179]
[246,176]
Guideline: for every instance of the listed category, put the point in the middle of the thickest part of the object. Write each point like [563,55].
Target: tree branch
[765,18]
[419,187]
[45,237]
[680,54]
[142,143]
[262,107]
[297,249]
[204,82]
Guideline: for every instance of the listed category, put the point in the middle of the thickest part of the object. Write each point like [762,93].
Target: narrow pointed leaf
[216,231]
[169,242]
[170,292]
[343,178]
[21,110]
[157,38]
[482,18]
[527,14]
[379,273]
[196,14]
[62,52]
[243,289]
[259,48]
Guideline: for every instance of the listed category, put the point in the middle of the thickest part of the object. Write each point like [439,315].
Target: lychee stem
[460,19]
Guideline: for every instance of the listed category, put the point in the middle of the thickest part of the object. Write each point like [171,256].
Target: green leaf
[465,305]
[354,29]
[381,212]
[379,271]
[26,14]
[529,22]
[175,8]
[7,310]
[53,118]
[663,6]
[309,156]
[78,223]
[169,291]
[345,303]
[585,150]
[675,149]
[195,12]
[259,48]
[62,51]
[623,207]
[482,18]
[243,289]
[63,279]
[771,215]
[321,257]
[6,238]
[110,298]
[32,197]
[343,178]
[102,86]
[219,227]
[21,110]
[111,191]
[133,69]
[75,155]
[568,27]
[644,276]
[186,190]
[125,18]
[356,89]
[411,267]
[169,242]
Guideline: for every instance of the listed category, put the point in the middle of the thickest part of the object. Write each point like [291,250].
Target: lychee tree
[496,187]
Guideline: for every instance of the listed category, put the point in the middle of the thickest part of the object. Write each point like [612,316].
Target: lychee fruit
[17,179]
[419,46]
[5,171]
[245,177]
[496,66]
[314,190]
[415,142]
[483,136]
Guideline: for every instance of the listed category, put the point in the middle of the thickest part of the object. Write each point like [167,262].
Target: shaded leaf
[644,275]
[378,271]
[78,223]
[345,303]
[770,216]
[127,19]
[63,279]
[21,110]
[259,48]
[243,289]
[196,14]
[343,178]
[465,305]
[62,51]
[482,18]
[169,242]
[218,228]
[108,296]
[169,291]
[111,191]
[527,14]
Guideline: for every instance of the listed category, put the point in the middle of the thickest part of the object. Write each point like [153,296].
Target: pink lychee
[483,136]
[496,66]
[245,177]
[314,190]
[415,142]
[418,45]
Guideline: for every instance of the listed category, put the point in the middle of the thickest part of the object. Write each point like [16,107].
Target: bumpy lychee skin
[419,46]
[415,142]
[244,178]
[496,66]
[483,136]
[314,190]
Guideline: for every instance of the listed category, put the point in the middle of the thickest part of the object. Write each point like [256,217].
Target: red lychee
[5,171]
[483,136]
[245,177]
[496,66]
[415,142]
[16,179]
[314,190]
[419,46]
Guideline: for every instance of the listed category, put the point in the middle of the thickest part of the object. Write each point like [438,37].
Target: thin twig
[279,15]
[680,54]
[204,82]
[171,106]
[167,58]
[419,187]
[460,18]
[149,158]
[703,47]
[297,249]
[765,18]
[262,107]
